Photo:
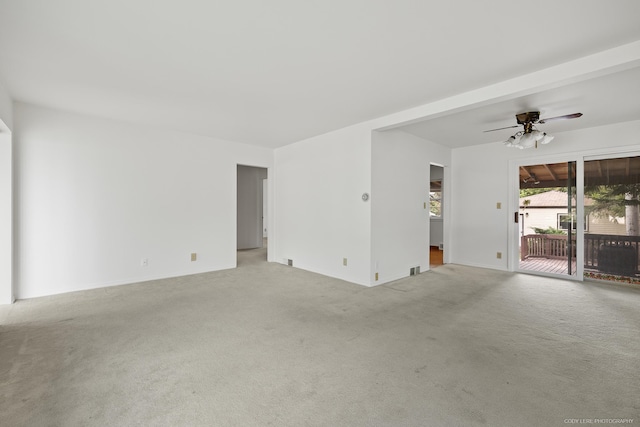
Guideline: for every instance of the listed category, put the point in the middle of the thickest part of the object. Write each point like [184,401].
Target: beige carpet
[267,344]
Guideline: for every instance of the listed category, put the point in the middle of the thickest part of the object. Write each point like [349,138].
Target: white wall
[97,196]
[320,215]
[480,176]
[400,202]
[249,213]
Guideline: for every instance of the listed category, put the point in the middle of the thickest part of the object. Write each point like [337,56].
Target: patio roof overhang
[597,172]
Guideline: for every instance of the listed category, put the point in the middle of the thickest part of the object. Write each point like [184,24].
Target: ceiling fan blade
[508,127]
[568,116]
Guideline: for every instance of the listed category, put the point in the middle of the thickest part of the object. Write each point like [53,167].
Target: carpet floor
[267,344]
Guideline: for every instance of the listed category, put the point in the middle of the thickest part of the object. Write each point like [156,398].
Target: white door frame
[7,195]
[514,208]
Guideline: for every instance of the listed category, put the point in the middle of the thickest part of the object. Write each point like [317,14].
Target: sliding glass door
[595,233]
[612,235]
[547,218]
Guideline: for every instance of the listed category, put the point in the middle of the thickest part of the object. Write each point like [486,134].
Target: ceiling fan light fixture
[537,135]
[511,142]
[527,140]
[546,138]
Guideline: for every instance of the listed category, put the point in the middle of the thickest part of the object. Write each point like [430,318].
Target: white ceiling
[608,99]
[274,72]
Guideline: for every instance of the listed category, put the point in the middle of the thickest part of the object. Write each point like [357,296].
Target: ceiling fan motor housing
[529,117]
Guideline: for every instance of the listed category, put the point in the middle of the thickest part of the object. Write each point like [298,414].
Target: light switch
[498,205]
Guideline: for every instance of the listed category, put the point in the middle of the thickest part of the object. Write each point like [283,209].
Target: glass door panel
[612,226]
[547,218]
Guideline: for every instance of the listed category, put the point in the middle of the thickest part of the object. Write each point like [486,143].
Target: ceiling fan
[530,136]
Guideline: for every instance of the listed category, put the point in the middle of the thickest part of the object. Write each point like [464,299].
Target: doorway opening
[547,218]
[251,221]
[436,225]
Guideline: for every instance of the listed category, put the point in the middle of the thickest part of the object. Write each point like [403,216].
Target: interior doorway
[265,211]
[251,230]
[436,217]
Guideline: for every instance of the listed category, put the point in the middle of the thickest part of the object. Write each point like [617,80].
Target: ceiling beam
[526,171]
[602,63]
[628,166]
[553,175]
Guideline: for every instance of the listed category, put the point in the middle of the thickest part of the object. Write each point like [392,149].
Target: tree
[621,200]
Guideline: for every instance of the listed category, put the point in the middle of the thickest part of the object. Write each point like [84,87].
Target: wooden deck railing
[620,253]
[552,246]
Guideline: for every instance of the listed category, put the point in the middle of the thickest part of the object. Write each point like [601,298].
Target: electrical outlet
[376,277]
[499,255]
[194,256]
[144,262]
[498,205]
[344,262]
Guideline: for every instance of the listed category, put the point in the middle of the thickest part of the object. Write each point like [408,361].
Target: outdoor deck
[603,254]
[546,265]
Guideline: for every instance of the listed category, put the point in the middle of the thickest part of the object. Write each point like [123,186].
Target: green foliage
[435,203]
[610,199]
[548,230]
[526,192]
